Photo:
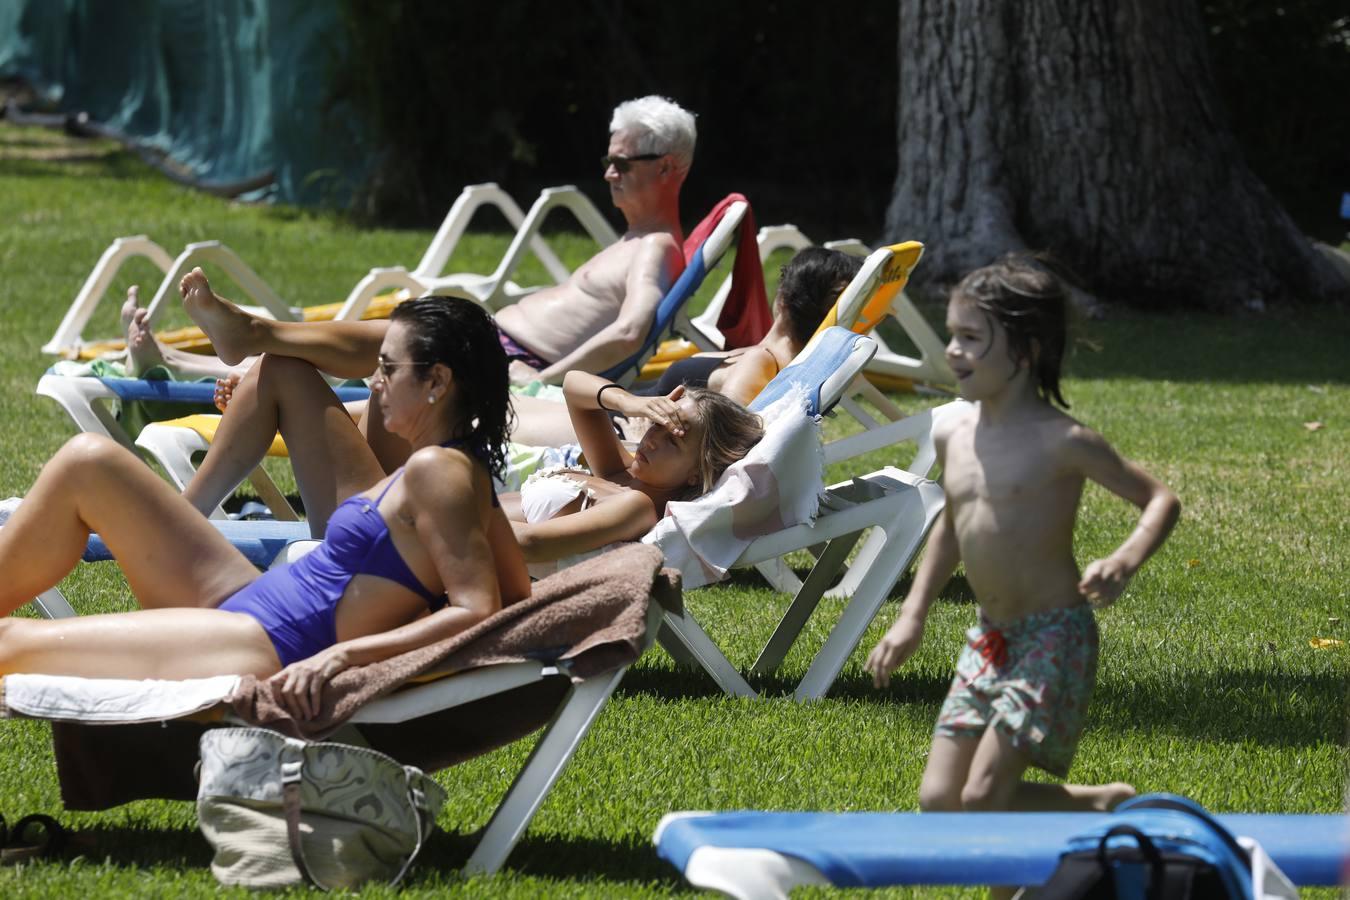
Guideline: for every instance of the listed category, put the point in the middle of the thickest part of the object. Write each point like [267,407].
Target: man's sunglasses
[622,164]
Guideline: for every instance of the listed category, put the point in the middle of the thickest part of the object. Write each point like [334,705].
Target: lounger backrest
[824,369]
[703,260]
[870,295]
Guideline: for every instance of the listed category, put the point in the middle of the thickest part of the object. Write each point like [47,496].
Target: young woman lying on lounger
[408,559]
[695,434]
[807,289]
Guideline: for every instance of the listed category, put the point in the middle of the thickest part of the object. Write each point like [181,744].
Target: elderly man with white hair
[592,321]
[600,315]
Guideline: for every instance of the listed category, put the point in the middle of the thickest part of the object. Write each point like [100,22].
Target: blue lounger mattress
[259,541]
[201,392]
[875,849]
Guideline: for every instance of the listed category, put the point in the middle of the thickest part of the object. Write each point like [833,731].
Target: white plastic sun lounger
[120,702]
[897,506]
[493,290]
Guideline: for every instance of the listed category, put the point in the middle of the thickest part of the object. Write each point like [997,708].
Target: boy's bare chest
[1001,469]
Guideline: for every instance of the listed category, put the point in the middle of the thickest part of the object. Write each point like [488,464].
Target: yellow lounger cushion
[206,425]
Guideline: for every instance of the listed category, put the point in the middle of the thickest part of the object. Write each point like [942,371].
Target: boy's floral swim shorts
[1032,679]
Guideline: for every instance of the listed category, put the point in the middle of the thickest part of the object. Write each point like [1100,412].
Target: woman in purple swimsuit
[429,538]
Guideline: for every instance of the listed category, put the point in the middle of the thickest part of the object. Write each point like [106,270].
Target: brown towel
[592,617]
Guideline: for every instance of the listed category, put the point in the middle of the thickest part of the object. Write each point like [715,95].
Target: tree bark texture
[1091,129]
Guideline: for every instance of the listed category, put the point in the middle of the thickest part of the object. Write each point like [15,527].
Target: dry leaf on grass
[1325,643]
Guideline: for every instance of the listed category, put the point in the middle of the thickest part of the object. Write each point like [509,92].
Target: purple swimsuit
[296,604]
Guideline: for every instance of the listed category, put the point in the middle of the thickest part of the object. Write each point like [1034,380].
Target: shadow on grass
[111,163]
[1277,709]
[444,852]
[1288,345]
[553,856]
[172,848]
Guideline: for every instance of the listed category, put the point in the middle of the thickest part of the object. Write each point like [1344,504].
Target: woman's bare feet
[225,324]
[143,350]
[225,389]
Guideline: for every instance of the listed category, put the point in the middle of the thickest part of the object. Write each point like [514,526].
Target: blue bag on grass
[1157,847]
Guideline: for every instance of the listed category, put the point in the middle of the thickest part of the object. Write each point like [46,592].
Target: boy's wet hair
[1031,303]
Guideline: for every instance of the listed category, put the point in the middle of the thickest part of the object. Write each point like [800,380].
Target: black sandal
[32,837]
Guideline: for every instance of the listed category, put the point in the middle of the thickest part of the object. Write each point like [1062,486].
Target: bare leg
[542,423]
[144,351]
[170,554]
[331,459]
[345,349]
[995,773]
[1036,797]
[152,643]
[946,772]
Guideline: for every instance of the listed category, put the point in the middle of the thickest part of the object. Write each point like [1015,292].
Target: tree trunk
[1091,129]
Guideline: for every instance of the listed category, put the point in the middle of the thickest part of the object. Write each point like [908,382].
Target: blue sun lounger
[765,854]
[88,399]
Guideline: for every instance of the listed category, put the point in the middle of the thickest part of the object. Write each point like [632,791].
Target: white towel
[110,700]
[777,485]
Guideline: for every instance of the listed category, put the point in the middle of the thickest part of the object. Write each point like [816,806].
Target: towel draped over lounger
[590,619]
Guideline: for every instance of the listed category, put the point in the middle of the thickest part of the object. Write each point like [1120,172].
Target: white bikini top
[548,491]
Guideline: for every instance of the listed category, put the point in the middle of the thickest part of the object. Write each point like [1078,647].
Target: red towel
[746,316]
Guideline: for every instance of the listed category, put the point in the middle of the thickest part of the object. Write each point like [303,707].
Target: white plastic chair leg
[687,637]
[70,332]
[883,562]
[52,604]
[804,604]
[541,771]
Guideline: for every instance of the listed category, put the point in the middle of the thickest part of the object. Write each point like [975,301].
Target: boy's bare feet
[143,350]
[1106,797]
[224,323]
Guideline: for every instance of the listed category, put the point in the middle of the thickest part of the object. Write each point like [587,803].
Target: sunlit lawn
[1210,684]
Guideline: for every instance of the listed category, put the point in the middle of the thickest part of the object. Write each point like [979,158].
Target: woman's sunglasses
[388,366]
[622,164]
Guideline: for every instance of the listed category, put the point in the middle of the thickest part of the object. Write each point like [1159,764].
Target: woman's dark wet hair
[808,286]
[1032,304]
[457,333]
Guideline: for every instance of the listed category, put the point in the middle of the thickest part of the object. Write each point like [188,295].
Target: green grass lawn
[1209,685]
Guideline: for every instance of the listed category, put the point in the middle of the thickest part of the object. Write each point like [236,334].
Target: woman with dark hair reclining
[408,559]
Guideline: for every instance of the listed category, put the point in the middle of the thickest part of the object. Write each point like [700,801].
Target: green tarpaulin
[229,89]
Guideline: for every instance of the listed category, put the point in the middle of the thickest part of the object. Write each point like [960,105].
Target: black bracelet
[603,388]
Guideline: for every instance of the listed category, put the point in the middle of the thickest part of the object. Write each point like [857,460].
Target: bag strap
[292,759]
[1152,857]
[1195,811]
[417,802]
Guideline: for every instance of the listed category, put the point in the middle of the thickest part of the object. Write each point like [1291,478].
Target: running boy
[1013,469]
